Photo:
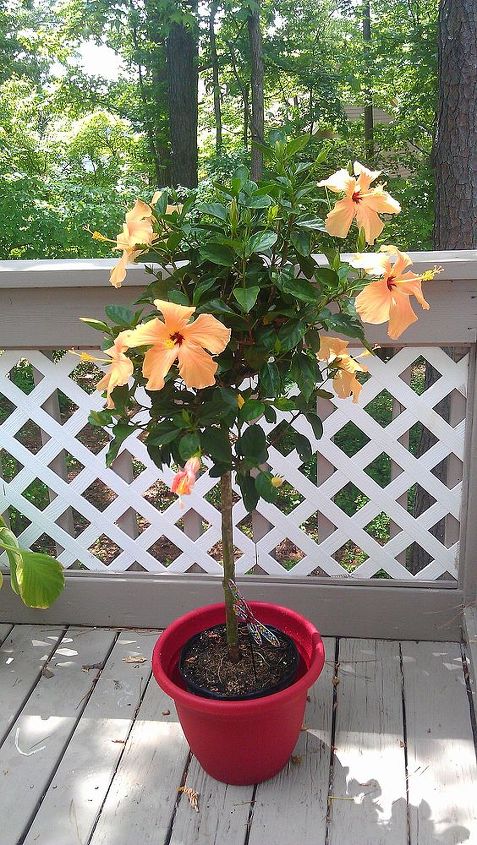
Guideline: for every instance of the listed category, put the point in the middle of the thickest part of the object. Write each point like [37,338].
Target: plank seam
[81,709]
[2,639]
[33,686]
[248,828]
[466,663]
[332,743]
[179,795]
[404,739]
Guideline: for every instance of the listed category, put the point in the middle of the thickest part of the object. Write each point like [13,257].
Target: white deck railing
[343,519]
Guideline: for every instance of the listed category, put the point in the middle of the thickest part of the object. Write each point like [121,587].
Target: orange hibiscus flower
[137,232]
[361,202]
[177,339]
[335,352]
[121,368]
[184,480]
[389,298]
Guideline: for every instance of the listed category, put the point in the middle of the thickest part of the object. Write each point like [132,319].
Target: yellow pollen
[277,481]
[169,343]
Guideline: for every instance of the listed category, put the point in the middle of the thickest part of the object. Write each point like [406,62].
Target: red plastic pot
[240,742]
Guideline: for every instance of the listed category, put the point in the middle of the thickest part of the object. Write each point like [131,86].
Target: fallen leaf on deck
[47,673]
[135,658]
[296,759]
[192,795]
[166,712]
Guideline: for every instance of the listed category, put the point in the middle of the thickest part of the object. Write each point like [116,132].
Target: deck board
[368,785]
[299,815]
[109,755]
[442,774]
[37,740]
[23,656]
[74,798]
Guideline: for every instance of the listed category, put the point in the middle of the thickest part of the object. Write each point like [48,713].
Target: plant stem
[229,565]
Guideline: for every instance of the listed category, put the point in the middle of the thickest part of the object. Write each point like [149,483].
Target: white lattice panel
[92,514]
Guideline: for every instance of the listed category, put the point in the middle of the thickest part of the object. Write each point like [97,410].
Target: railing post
[468,548]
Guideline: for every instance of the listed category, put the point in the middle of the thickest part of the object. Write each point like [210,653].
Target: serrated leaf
[251,410]
[119,315]
[40,579]
[215,442]
[260,242]
[302,445]
[217,254]
[265,488]
[246,297]
[269,380]
[189,445]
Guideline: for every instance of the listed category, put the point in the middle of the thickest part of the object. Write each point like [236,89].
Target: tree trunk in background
[455,147]
[368,93]
[215,77]
[257,87]
[183,84]
[455,163]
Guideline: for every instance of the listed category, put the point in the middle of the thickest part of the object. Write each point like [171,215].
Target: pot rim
[249,707]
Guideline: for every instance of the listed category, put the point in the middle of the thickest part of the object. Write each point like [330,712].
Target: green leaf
[265,488]
[250,494]
[246,297]
[316,224]
[40,579]
[101,418]
[296,145]
[213,209]
[217,254]
[299,288]
[328,276]
[256,356]
[315,423]
[162,203]
[260,242]
[252,410]
[306,373]
[258,202]
[302,445]
[9,542]
[361,242]
[201,288]
[173,241]
[162,434]
[270,414]
[253,445]
[269,380]
[96,324]
[290,334]
[302,242]
[189,445]
[121,432]
[283,403]
[119,315]
[215,442]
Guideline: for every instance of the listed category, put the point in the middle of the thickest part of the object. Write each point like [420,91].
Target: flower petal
[365,176]
[401,315]
[339,182]
[140,211]
[118,273]
[208,332]
[196,366]
[146,334]
[331,347]
[346,384]
[340,218]
[367,219]
[374,302]
[379,200]
[175,316]
[373,263]
[411,284]
[157,363]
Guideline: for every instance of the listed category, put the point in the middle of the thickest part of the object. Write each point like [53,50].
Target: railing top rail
[458,264]
[34,294]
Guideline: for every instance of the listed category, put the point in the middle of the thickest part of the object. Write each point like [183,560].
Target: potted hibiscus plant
[239,322]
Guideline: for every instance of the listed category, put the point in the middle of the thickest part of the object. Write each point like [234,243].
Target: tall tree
[257,86]
[215,76]
[183,82]
[455,150]
[368,92]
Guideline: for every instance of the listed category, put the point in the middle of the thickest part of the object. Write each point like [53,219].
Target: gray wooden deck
[91,752]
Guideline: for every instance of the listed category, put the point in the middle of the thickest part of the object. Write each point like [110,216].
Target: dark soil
[261,670]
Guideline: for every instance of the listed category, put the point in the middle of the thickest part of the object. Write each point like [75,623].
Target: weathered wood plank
[368,786]
[442,778]
[71,806]
[4,632]
[470,638]
[223,812]
[291,807]
[142,797]
[34,746]
[24,653]
[430,612]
